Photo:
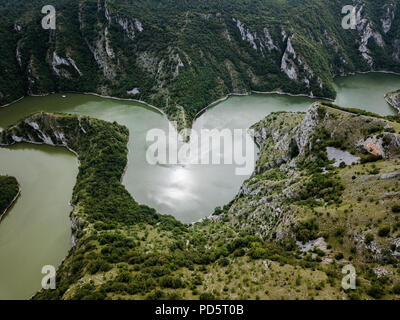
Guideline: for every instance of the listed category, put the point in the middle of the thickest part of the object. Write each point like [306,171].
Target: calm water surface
[37,230]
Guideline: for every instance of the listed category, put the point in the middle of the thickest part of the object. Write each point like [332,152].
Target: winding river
[36,231]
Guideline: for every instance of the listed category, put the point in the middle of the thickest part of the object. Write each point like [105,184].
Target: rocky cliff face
[294,177]
[307,213]
[366,31]
[92,141]
[43,128]
[393,98]
[184,57]
[48,129]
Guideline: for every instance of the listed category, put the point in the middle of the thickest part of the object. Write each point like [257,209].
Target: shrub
[124,276]
[339,256]
[396,288]
[239,252]
[307,231]
[396,208]
[224,262]
[98,266]
[376,291]
[354,295]
[339,232]
[156,295]
[384,231]
[207,296]
[369,238]
[258,253]
[171,282]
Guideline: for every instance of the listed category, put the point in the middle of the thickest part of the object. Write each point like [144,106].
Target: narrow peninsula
[9,192]
[324,194]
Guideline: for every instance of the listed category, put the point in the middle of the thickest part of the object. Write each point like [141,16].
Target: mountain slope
[182,55]
[295,224]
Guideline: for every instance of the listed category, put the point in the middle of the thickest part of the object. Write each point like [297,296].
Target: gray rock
[341,156]
[390,176]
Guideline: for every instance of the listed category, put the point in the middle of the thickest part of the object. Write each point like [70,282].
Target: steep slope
[295,165]
[104,213]
[393,98]
[9,191]
[183,55]
[330,181]
[309,210]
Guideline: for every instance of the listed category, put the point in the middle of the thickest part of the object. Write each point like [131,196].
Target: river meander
[36,231]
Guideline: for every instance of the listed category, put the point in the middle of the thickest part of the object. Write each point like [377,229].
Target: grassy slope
[127,251]
[345,207]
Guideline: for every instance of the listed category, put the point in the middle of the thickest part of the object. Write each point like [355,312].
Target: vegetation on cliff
[393,99]
[295,223]
[336,214]
[182,55]
[9,189]
[104,214]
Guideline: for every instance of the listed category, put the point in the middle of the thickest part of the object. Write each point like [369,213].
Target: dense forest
[295,223]
[182,55]
[287,237]
[9,189]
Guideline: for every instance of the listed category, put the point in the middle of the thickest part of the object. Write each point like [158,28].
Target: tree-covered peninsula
[296,222]
[9,191]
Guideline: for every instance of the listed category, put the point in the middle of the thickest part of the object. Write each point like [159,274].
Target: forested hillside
[182,55]
[296,222]
[9,189]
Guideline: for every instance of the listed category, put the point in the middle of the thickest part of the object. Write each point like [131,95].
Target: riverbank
[222,99]
[12,102]
[92,94]
[11,204]
[214,103]
[124,99]
[42,144]
[7,183]
[365,72]
[393,99]
[108,232]
[239,110]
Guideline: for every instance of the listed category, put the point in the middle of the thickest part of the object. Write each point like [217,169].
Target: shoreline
[293,95]
[366,72]
[44,144]
[127,161]
[91,94]
[2,215]
[122,99]
[12,102]
[214,103]
[389,102]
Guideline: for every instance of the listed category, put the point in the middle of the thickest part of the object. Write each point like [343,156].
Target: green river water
[37,230]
